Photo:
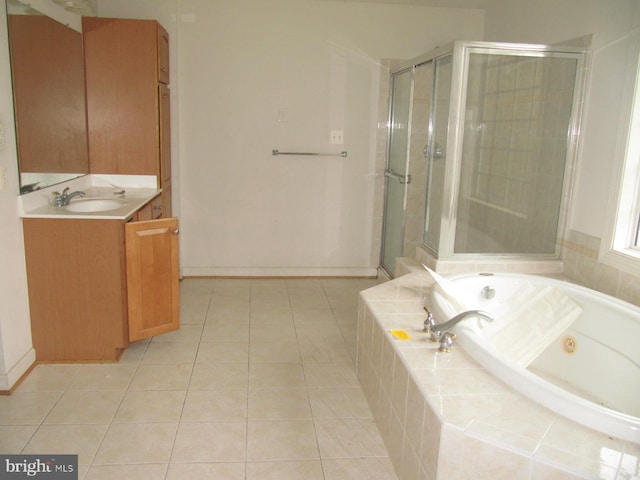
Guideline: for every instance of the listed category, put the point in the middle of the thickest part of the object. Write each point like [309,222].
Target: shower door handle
[403,179]
[438,151]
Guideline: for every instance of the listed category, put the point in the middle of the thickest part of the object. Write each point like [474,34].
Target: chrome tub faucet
[441,332]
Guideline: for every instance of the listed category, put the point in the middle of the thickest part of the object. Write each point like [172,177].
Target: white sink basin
[93,205]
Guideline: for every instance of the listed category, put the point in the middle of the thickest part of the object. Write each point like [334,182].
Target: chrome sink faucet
[63,199]
[441,332]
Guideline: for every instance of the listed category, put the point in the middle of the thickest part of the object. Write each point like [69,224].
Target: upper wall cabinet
[127,70]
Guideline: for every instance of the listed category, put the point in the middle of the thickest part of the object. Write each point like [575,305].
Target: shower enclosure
[497,149]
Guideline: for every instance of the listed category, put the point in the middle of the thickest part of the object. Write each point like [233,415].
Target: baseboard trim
[270,272]
[10,380]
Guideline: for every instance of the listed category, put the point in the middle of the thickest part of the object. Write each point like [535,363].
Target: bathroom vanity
[103,269]
[100,279]
[102,265]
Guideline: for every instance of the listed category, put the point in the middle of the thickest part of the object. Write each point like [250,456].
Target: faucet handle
[446,342]
[57,198]
[429,322]
[429,326]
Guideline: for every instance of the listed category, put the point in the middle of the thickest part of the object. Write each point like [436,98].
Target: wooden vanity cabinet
[151,211]
[96,285]
[128,100]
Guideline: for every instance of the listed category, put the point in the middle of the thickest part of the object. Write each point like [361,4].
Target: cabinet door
[152,277]
[77,294]
[165,147]
[145,213]
[122,98]
[163,55]
[166,199]
[157,210]
[164,102]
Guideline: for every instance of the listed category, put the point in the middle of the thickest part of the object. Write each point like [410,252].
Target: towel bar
[278,152]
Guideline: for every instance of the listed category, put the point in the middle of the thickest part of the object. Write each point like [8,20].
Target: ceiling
[481,4]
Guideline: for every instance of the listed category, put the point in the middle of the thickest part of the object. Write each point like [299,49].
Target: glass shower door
[436,151]
[518,114]
[396,176]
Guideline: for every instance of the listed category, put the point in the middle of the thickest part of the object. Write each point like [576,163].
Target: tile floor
[258,383]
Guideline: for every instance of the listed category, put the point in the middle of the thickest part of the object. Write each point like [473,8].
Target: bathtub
[589,374]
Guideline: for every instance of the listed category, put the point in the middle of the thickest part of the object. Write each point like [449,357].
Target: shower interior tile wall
[514,152]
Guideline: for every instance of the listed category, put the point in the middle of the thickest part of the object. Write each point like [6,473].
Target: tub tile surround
[485,263]
[580,253]
[442,416]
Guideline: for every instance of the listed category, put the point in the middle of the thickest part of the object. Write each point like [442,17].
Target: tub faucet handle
[430,321]
[446,342]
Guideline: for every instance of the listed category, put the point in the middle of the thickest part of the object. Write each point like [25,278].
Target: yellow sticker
[400,334]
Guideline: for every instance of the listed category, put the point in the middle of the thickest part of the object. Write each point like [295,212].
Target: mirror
[49,98]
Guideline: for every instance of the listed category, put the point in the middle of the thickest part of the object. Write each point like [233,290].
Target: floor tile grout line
[124,392]
[127,389]
[317,419]
[247,405]
[187,387]
[304,376]
[46,415]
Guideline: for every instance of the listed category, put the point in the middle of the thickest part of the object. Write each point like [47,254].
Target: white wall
[257,75]
[252,75]
[238,64]
[551,21]
[16,352]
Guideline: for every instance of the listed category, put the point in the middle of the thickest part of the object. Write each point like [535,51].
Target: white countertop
[138,191]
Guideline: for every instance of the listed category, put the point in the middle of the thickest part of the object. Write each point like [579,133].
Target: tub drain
[569,344]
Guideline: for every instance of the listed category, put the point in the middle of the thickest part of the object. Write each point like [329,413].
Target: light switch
[337,137]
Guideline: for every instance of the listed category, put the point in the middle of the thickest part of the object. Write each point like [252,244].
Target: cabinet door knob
[176,231]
